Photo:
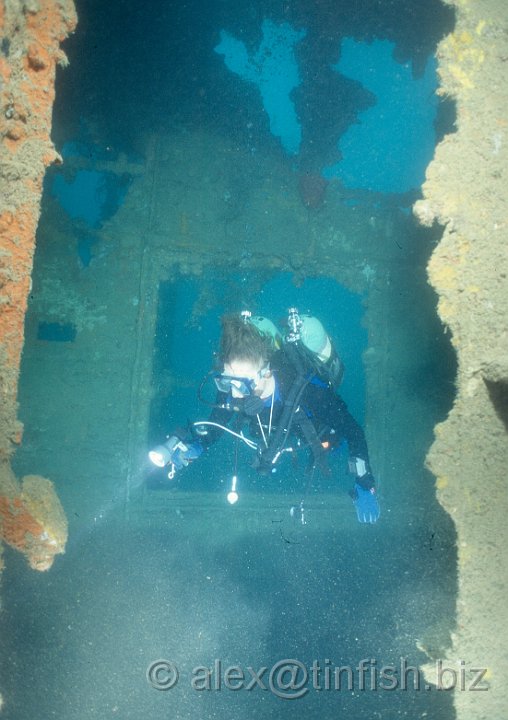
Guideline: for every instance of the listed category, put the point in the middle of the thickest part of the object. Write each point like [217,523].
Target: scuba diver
[284,388]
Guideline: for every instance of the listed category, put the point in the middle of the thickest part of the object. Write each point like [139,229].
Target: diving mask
[239,386]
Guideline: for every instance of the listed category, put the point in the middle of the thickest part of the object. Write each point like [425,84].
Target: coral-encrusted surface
[31,34]
[32,520]
[466,191]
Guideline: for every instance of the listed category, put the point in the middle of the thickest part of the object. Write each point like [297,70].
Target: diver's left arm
[333,413]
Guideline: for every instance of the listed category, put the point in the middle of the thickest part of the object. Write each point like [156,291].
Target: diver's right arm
[210,431]
[184,446]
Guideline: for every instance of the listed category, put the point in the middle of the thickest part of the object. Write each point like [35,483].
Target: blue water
[287,77]
[274,70]
[392,143]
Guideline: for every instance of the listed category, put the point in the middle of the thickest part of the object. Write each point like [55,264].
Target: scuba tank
[312,340]
[265,327]
[308,333]
[310,351]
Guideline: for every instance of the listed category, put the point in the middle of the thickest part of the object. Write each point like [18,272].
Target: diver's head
[242,341]
[244,358]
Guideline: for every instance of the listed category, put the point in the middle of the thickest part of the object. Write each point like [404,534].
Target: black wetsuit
[330,420]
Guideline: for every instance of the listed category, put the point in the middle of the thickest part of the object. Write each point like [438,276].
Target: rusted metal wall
[31,33]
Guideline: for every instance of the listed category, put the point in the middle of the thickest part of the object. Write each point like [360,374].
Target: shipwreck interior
[195,182]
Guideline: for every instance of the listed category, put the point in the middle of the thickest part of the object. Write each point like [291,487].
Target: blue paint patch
[77,148]
[81,198]
[89,195]
[56,332]
[93,152]
[92,197]
[274,69]
[85,248]
[390,147]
